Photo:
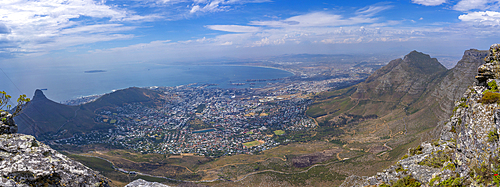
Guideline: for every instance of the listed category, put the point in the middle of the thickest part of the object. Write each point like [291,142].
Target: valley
[282,134]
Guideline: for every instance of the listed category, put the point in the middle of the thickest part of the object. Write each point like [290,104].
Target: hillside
[47,119]
[467,151]
[406,97]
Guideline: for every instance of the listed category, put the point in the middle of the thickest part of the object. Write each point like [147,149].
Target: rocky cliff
[467,152]
[24,161]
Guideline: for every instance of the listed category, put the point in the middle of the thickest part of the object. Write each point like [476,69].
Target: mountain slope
[467,151]
[396,107]
[47,119]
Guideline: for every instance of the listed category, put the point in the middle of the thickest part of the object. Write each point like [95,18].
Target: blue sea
[69,83]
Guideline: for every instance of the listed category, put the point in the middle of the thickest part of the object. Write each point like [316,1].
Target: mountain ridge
[467,151]
[47,119]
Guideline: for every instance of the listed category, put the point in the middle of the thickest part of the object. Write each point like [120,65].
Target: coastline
[97,95]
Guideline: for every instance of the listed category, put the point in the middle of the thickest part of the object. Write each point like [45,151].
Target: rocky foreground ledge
[468,151]
[24,161]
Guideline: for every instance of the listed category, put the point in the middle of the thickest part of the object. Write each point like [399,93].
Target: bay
[65,83]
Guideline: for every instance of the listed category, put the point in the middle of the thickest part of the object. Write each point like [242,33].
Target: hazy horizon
[94,33]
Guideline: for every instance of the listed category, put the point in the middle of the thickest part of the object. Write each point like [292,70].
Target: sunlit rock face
[24,161]
[468,150]
[491,69]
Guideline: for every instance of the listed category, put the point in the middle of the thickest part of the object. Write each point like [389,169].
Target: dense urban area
[209,121]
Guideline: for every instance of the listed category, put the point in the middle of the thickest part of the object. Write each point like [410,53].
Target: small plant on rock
[490,97]
[493,86]
[415,151]
[407,181]
[493,136]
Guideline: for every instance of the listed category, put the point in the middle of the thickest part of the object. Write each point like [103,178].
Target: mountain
[467,151]
[44,118]
[24,161]
[407,96]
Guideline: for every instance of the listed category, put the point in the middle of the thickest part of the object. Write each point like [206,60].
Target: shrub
[436,160]
[490,97]
[452,182]
[4,102]
[415,151]
[493,86]
[493,136]
[407,181]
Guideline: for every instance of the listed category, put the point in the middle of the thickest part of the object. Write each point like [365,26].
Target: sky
[103,33]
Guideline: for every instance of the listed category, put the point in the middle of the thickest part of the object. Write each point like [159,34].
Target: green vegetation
[436,160]
[482,174]
[200,108]
[433,180]
[316,174]
[252,143]
[404,157]
[490,97]
[4,102]
[463,105]
[279,132]
[415,151]
[407,181]
[493,86]
[450,166]
[493,135]
[385,137]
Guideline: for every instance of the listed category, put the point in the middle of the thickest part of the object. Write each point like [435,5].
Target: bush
[415,151]
[493,86]
[490,97]
[493,136]
[407,181]
[4,102]
[436,160]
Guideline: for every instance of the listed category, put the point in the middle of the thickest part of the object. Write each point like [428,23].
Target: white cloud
[233,28]
[466,5]
[484,18]
[199,6]
[429,2]
[316,19]
[44,25]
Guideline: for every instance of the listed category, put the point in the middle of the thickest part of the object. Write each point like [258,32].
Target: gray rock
[468,147]
[28,162]
[143,183]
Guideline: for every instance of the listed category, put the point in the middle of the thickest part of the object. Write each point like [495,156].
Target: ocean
[69,83]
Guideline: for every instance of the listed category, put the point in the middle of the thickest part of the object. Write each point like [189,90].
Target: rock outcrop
[468,150]
[24,161]
[143,183]
[7,125]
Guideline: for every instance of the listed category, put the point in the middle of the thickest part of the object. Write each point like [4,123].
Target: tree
[4,103]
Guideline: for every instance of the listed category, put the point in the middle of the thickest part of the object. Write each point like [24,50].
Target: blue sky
[95,34]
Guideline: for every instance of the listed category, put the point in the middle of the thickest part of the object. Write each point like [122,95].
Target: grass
[252,143]
[313,176]
[106,169]
[281,152]
[279,132]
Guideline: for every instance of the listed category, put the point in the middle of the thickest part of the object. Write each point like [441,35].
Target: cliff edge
[24,161]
